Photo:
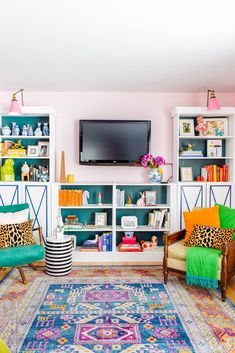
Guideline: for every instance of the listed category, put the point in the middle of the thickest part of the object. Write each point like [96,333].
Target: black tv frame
[111,163]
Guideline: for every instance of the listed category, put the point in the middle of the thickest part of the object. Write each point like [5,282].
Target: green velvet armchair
[21,255]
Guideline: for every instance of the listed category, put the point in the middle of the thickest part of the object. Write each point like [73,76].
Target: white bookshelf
[193,194]
[166,192]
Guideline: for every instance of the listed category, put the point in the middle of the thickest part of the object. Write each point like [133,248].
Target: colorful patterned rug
[117,309]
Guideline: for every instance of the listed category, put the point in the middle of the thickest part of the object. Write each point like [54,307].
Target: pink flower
[149,161]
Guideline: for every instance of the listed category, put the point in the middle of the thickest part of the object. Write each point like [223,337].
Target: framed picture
[129,222]
[32,151]
[43,149]
[216,126]
[150,198]
[186,173]
[100,219]
[186,127]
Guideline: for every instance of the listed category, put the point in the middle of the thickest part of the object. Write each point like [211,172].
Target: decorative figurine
[45,129]
[99,199]
[85,197]
[141,201]
[59,231]
[30,130]
[24,131]
[25,172]
[201,126]
[42,174]
[38,131]
[15,130]
[7,171]
[6,131]
[129,202]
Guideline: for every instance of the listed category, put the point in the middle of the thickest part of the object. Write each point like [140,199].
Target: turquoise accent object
[20,255]
[155,175]
[14,208]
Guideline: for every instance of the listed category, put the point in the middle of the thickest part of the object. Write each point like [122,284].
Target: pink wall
[72,106]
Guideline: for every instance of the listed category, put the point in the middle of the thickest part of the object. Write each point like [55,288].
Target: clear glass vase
[155,175]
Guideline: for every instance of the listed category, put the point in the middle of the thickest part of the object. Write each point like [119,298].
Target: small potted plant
[155,167]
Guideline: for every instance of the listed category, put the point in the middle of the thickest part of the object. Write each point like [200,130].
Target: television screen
[113,141]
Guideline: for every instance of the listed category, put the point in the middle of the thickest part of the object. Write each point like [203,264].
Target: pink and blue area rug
[119,309]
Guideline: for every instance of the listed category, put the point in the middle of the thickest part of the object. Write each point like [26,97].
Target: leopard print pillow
[210,237]
[16,234]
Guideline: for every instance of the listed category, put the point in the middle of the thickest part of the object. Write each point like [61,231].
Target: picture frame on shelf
[186,174]
[216,126]
[100,219]
[186,127]
[150,198]
[214,148]
[32,151]
[43,149]
[129,222]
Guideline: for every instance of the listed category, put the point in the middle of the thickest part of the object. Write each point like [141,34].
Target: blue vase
[155,175]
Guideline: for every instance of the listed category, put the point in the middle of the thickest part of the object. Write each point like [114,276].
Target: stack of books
[89,246]
[158,218]
[191,154]
[129,245]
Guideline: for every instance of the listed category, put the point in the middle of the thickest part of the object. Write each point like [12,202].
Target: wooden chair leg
[33,267]
[22,275]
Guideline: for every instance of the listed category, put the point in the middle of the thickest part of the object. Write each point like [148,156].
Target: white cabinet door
[190,196]
[219,193]
[9,194]
[38,196]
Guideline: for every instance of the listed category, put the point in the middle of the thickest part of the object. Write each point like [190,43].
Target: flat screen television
[113,142]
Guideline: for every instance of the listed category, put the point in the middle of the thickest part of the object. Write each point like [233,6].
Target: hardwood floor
[230,291]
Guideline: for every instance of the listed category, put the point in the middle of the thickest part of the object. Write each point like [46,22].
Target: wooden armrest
[229,255]
[41,239]
[173,237]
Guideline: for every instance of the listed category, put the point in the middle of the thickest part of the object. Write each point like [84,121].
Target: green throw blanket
[202,266]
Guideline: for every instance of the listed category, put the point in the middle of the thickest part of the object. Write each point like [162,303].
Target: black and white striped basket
[58,256]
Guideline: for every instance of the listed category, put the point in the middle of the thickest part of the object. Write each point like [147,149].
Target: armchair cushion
[21,255]
[16,234]
[203,216]
[210,237]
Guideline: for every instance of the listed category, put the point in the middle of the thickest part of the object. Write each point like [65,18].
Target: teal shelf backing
[19,163]
[201,145]
[23,120]
[197,164]
[141,214]
[141,236]
[106,192]
[82,236]
[134,192]
[87,215]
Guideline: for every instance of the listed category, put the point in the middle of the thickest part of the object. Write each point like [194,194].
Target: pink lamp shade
[213,104]
[14,107]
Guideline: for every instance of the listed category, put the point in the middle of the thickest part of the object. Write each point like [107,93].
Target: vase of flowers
[154,164]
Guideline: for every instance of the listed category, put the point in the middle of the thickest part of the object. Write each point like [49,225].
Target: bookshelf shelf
[186,158]
[86,214]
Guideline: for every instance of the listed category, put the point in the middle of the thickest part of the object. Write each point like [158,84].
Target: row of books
[215,173]
[159,219]
[102,242]
[70,197]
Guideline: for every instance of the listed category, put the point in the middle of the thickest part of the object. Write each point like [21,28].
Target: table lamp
[15,107]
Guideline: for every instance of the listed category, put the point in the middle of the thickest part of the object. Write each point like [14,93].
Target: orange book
[61,197]
[225,167]
[72,197]
[79,197]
